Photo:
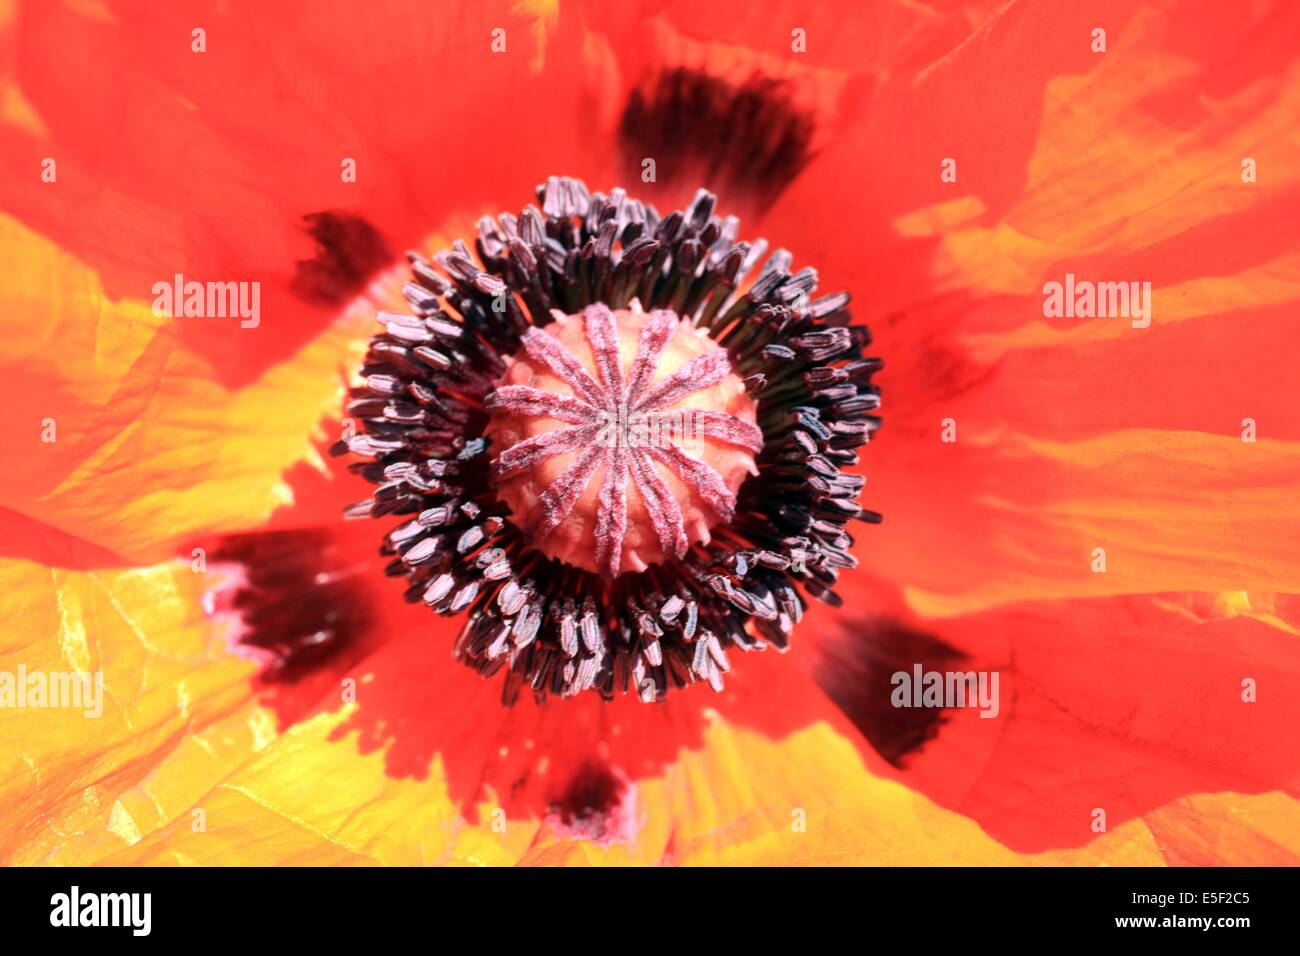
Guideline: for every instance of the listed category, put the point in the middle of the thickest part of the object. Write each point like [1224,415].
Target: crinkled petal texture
[1091,508]
[1161,691]
[423,767]
[172,716]
[1019,443]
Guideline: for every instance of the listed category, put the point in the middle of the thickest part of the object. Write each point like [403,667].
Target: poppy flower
[1095,513]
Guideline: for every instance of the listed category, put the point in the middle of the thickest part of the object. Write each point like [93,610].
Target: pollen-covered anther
[623,437]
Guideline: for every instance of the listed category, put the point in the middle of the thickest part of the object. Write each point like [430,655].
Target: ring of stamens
[435,379]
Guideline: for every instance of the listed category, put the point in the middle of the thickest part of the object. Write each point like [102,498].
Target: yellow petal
[175,712]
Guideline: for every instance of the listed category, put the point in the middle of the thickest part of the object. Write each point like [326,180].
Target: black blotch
[349,252]
[591,795]
[856,672]
[749,139]
[300,599]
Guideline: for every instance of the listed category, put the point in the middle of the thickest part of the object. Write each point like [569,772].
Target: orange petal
[1177,712]
[1077,434]
[217,156]
[1000,517]
[666,76]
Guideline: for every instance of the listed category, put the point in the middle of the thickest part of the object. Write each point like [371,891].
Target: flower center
[621,437]
[597,389]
